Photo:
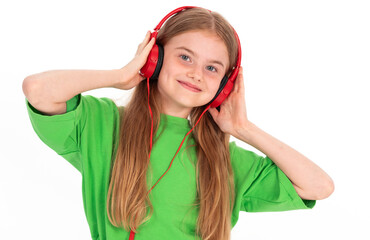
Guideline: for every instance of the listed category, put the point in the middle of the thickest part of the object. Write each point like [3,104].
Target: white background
[306,67]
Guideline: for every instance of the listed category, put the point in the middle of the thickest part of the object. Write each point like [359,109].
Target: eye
[211,68]
[184,57]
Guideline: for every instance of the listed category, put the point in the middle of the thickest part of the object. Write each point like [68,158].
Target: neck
[174,109]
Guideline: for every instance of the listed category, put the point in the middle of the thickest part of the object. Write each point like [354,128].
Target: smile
[189,86]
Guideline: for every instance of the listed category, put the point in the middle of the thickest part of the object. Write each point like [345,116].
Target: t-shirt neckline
[175,121]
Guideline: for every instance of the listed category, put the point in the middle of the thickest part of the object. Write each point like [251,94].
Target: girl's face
[193,66]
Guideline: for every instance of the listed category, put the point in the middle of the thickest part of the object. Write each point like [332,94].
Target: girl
[131,188]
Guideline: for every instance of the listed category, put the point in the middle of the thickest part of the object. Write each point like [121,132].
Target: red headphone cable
[132,234]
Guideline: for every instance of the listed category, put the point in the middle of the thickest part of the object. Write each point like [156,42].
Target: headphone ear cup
[226,86]
[154,62]
[220,88]
[159,63]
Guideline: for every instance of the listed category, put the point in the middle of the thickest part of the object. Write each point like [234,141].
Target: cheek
[213,86]
[169,68]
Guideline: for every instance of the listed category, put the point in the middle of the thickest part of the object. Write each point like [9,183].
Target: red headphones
[154,63]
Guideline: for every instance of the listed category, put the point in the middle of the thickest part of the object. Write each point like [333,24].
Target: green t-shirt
[85,137]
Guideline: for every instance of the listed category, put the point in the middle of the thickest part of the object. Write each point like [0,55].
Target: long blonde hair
[127,200]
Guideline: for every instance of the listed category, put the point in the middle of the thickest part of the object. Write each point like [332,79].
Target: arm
[49,91]
[309,180]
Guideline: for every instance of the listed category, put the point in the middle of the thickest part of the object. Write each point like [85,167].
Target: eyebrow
[193,53]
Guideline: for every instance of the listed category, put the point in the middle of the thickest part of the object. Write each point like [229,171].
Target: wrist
[119,75]
[246,132]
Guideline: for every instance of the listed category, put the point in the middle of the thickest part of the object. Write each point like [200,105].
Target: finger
[143,43]
[236,85]
[147,35]
[240,81]
[142,57]
[148,47]
[239,86]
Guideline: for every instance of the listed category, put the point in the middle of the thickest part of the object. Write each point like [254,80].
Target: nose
[196,73]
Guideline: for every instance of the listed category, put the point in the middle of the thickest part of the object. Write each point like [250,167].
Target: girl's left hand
[232,117]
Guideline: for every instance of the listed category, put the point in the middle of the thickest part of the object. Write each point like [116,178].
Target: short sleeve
[61,132]
[261,186]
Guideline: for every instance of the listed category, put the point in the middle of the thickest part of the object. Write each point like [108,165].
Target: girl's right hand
[130,76]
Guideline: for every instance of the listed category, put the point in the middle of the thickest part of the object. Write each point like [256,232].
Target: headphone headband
[180,9]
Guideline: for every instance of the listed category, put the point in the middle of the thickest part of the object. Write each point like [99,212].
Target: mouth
[189,86]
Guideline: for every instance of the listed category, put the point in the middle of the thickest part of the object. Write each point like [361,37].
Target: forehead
[205,44]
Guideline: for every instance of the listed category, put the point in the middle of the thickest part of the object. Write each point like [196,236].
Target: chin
[192,104]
